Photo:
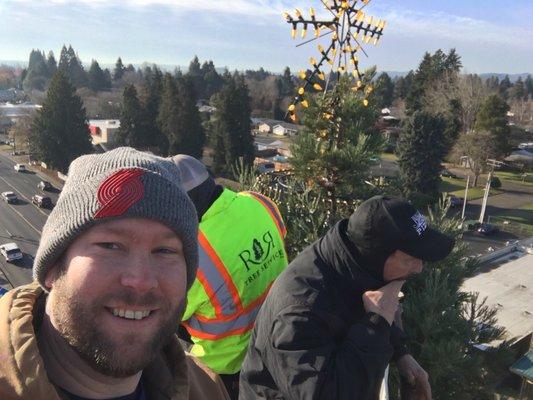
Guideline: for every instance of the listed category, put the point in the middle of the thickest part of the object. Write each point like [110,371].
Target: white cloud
[455,28]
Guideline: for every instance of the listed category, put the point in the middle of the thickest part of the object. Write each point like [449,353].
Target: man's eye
[164,250]
[108,245]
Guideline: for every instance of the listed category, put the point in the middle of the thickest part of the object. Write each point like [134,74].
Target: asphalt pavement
[21,222]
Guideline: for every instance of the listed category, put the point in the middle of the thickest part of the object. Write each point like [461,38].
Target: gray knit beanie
[117,184]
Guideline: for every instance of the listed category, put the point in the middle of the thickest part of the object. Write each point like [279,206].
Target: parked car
[45,186]
[9,197]
[448,174]
[455,201]
[20,168]
[11,252]
[487,229]
[265,167]
[42,201]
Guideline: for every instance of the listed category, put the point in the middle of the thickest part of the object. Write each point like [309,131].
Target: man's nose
[139,275]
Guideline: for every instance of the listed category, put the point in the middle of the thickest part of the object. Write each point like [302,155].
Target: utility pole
[492,164]
[466,196]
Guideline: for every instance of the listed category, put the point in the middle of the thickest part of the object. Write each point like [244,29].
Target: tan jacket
[174,375]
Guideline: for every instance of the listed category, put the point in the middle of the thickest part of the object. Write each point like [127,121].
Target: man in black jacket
[326,328]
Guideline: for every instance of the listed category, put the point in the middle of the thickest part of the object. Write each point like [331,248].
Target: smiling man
[116,258]
[326,329]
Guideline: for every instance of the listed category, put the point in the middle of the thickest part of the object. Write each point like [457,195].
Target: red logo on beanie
[119,192]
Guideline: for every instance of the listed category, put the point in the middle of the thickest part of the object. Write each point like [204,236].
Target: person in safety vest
[241,248]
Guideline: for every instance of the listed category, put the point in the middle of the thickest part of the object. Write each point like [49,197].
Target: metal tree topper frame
[349,27]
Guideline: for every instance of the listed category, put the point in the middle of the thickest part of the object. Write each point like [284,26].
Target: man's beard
[77,324]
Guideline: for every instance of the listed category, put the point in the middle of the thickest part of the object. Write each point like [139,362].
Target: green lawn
[457,188]
[515,177]
[388,157]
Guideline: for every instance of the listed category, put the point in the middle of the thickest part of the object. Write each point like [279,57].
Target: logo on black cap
[420,223]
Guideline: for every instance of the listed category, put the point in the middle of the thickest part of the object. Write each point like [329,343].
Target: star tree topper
[350,28]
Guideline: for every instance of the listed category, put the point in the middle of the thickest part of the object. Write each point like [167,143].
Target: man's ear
[51,277]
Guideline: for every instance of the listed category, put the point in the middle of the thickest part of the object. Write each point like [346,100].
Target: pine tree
[51,64]
[285,83]
[131,132]
[97,78]
[59,132]
[119,70]
[37,73]
[421,148]
[191,132]
[334,157]
[151,99]
[195,72]
[493,118]
[231,135]
[72,68]
[168,116]
[384,90]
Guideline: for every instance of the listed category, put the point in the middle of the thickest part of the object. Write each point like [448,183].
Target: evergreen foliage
[493,118]
[37,72]
[59,132]
[231,136]
[119,70]
[97,79]
[131,131]
[179,119]
[421,148]
[384,90]
[335,156]
[72,68]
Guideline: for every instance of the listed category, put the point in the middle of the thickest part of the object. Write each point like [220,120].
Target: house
[264,127]
[103,131]
[286,129]
[505,278]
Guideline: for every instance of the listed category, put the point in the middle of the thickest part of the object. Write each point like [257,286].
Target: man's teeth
[130,314]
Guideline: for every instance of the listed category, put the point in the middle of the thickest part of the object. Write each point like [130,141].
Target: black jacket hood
[343,256]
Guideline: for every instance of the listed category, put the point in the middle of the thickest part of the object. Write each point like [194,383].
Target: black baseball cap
[392,223]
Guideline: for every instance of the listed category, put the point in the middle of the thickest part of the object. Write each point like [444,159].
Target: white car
[11,252]
[9,197]
[20,168]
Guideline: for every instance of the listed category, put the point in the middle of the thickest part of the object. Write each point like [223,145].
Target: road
[20,223]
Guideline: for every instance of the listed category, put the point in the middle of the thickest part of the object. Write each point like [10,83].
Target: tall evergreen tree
[493,118]
[151,99]
[72,67]
[131,132]
[420,150]
[505,85]
[285,83]
[60,132]
[191,132]
[195,73]
[37,72]
[97,78]
[51,64]
[168,116]
[119,70]
[231,135]
[384,90]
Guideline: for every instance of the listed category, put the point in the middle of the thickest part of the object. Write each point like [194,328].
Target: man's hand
[415,375]
[383,301]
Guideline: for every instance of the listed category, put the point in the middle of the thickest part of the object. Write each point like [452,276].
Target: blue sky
[490,35]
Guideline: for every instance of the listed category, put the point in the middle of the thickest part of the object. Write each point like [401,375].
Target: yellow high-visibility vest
[241,253]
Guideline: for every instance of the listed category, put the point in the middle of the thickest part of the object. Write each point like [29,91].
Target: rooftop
[105,123]
[507,282]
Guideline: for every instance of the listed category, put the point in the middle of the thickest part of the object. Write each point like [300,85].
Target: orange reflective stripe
[218,328]
[213,336]
[272,209]
[219,265]
[257,302]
